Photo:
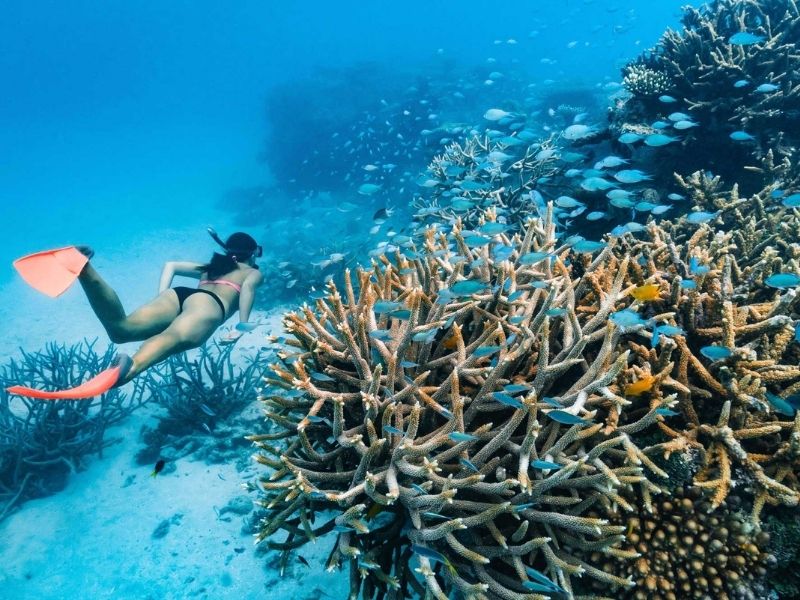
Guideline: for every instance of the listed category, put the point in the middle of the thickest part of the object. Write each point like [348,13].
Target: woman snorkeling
[177,320]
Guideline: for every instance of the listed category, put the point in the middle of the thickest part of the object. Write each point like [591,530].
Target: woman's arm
[248,294]
[172,268]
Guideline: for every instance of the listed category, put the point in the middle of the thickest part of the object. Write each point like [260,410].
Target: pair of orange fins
[52,272]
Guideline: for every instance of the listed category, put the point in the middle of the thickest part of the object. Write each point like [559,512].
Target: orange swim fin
[99,384]
[52,271]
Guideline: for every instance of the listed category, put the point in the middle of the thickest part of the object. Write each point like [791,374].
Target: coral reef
[42,442]
[201,397]
[731,69]
[466,178]
[686,550]
[488,403]
[643,80]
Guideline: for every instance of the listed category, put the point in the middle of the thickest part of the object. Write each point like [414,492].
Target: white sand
[94,538]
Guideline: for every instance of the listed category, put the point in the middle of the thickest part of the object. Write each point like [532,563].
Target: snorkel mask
[232,249]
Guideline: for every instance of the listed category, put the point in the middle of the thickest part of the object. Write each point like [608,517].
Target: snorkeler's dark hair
[239,247]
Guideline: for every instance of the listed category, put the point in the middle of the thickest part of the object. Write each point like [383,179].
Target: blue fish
[741,83]
[486,351]
[631,176]
[567,202]
[467,287]
[666,412]
[716,352]
[417,488]
[458,436]
[507,400]
[594,184]
[475,241]
[682,125]
[792,201]
[656,140]
[426,337]
[317,376]
[381,334]
[785,407]
[627,318]
[502,252]
[555,312]
[544,464]
[469,464]
[670,330]
[492,228]
[782,280]
[741,136]
[621,202]
[551,401]
[695,268]
[433,515]
[533,257]
[393,430]
[407,364]
[660,209]
[797,332]
[666,99]
[562,416]
[700,216]
[679,116]
[595,215]
[430,554]
[385,306]
[629,138]
[745,38]
[540,579]
[767,88]
[516,388]
[589,246]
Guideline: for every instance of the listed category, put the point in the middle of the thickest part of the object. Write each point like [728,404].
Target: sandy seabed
[95,539]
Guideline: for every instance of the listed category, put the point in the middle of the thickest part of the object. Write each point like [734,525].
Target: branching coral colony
[504,410]
[745,87]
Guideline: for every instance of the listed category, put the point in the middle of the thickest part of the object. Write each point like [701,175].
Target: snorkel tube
[215,236]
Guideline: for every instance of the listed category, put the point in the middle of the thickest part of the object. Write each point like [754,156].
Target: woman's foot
[124,362]
[86,251]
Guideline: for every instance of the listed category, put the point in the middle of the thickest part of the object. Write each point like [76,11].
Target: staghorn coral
[42,442]
[718,83]
[483,177]
[396,409]
[201,397]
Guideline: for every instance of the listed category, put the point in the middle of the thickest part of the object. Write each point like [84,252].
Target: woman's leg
[199,319]
[150,319]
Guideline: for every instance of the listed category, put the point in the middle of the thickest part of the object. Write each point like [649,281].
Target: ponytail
[219,265]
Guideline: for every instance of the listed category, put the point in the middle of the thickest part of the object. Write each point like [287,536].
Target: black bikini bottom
[184,292]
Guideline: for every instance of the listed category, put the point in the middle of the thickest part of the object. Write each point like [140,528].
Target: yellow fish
[637,388]
[643,293]
[450,343]
[374,510]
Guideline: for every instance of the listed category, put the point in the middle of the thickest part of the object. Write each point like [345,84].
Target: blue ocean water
[133,126]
